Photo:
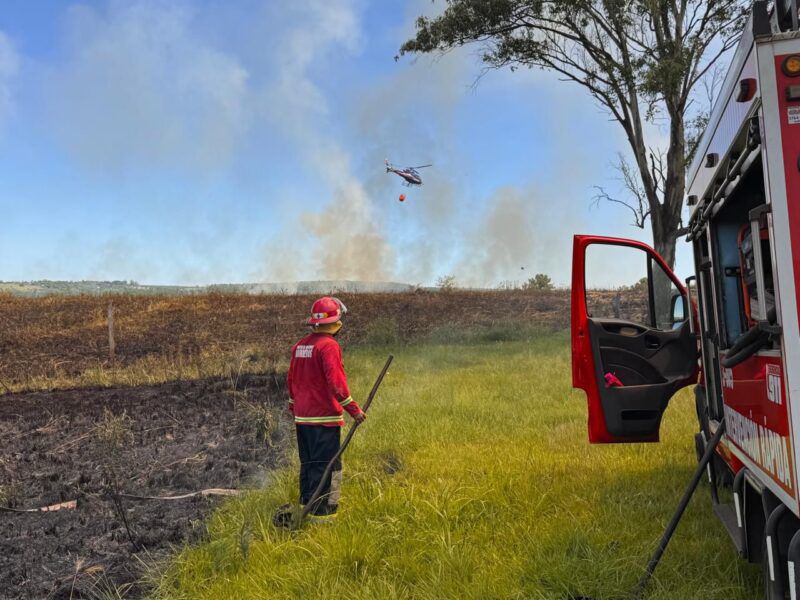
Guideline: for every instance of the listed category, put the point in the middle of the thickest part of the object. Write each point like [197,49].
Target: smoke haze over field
[139,87]
[198,142]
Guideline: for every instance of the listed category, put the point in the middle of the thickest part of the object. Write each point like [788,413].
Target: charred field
[101,447]
[192,399]
[63,341]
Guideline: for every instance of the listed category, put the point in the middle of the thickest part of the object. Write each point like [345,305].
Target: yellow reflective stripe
[346,401]
[291,400]
[318,419]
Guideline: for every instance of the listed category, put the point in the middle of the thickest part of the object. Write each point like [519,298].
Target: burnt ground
[64,336]
[87,444]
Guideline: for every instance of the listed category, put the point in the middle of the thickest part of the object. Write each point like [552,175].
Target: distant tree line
[539,282]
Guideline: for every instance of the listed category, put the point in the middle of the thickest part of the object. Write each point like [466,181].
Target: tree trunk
[666,219]
[664,238]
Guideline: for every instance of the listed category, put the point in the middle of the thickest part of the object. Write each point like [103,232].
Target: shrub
[540,281]
[446,283]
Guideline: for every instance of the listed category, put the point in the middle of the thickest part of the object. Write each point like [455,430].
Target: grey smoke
[140,86]
[502,242]
[344,238]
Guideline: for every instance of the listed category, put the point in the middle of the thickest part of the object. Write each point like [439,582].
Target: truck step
[727,516]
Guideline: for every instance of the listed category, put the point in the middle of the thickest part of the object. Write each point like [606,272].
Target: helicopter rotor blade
[421,166]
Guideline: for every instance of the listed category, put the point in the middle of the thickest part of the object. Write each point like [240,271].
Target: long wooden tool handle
[346,442]
[377,383]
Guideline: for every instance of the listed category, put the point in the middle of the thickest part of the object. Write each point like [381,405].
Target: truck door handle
[652,342]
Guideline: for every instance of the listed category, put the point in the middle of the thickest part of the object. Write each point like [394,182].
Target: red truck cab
[732,328]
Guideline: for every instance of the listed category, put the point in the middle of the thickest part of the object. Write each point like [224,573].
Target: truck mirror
[678,310]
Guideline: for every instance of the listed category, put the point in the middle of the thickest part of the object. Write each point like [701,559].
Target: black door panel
[618,327]
[629,367]
[652,365]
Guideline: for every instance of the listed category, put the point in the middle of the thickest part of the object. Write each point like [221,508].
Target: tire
[765,582]
[701,408]
[699,445]
[768,592]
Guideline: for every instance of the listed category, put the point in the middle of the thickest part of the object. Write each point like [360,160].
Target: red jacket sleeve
[337,379]
[289,381]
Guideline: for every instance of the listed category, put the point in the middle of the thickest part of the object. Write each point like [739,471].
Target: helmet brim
[325,321]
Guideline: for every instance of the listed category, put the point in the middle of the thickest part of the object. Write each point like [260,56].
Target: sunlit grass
[473,479]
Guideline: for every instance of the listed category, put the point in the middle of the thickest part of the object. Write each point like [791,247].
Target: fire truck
[731,329]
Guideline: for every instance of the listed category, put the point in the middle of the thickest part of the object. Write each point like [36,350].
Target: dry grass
[58,342]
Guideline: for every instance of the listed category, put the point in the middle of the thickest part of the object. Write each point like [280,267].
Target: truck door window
[616,283]
[663,293]
[625,283]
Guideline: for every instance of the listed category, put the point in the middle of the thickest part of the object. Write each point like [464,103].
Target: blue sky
[216,141]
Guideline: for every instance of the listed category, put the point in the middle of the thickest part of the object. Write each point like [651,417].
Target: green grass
[473,479]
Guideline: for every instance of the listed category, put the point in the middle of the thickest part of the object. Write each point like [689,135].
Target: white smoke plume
[141,87]
[345,235]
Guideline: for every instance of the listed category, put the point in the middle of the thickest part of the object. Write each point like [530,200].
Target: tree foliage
[540,281]
[640,60]
[446,283]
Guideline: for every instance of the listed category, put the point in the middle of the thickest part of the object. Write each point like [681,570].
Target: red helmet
[327,310]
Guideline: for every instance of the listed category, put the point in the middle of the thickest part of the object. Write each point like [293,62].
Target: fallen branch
[208,492]
[73,441]
[186,459]
[68,505]
[73,504]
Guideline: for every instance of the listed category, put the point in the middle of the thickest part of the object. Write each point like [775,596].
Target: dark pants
[317,446]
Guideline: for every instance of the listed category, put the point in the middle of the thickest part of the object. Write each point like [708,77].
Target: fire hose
[750,342]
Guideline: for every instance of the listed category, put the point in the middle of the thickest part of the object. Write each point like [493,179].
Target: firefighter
[317,394]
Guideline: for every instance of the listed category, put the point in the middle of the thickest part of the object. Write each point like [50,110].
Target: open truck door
[632,343]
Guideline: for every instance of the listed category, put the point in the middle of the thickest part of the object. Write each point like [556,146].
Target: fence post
[112,346]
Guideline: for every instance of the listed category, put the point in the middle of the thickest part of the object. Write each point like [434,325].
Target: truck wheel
[770,592]
[699,445]
[701,408]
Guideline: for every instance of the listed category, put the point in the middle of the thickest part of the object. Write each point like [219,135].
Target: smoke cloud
[351,244]
[344,239]
[502,243]
[510,234]
[141,87]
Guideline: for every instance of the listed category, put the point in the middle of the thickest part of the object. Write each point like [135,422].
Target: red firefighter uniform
[317,382]
[317,394]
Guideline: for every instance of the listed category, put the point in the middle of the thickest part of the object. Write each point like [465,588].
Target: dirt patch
[90,445]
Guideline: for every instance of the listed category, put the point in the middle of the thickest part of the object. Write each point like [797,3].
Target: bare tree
[641,60]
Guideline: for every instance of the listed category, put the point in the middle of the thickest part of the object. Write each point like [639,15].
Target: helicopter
[409,174]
